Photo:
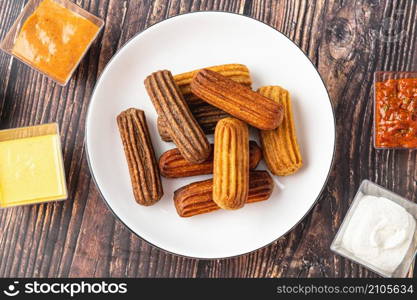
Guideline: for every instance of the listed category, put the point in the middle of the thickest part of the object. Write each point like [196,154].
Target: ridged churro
[237,100]
[280,147]
[206,116]
[181,124]
[231,164]
[173,165]
[236,72]
[140,156]
[197,198]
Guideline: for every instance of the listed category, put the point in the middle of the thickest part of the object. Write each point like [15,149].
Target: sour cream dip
[379,232]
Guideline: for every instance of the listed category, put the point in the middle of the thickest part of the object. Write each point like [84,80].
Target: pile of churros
[191,105]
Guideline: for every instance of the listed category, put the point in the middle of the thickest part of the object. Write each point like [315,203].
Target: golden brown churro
[231,164]
[280,146]
[197,198]
[237,100]
[173,165]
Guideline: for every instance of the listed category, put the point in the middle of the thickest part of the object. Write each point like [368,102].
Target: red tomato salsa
[396,113]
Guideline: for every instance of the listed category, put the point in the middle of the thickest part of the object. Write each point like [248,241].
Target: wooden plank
[345,40]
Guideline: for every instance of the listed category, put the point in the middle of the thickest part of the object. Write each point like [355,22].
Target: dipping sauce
[53,39]
[31,171]
[380,233]
[396,113]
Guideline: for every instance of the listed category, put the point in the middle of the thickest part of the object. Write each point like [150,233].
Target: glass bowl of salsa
[52,37]
[395,110]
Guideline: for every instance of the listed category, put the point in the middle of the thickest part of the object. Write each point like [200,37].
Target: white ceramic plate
[185,43]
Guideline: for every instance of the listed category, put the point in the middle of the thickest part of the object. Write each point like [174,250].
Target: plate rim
[130,229]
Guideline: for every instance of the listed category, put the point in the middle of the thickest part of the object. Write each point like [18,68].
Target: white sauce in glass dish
[379,232]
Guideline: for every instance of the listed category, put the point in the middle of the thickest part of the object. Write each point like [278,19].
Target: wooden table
[346,40]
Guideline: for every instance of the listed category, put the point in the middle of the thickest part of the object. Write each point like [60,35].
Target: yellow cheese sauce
[31,171]
[53,39]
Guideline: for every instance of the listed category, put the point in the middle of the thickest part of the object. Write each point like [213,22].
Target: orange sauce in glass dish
[396,113]
[53,39]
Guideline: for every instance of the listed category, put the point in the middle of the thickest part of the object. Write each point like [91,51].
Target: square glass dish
[31,166]
[369,188]
[52,37]
[395,110]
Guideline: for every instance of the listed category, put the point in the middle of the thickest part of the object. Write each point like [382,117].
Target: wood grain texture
[346,40]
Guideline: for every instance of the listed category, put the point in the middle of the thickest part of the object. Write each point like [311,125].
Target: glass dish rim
[375,80]
[60,156]
[30,6]
[345,220]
